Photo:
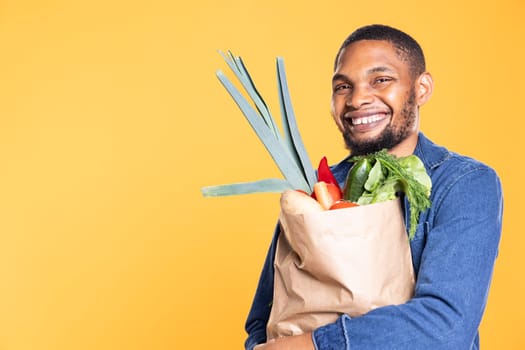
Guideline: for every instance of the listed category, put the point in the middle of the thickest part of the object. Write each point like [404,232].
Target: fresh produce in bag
[380,176]
[352,260]
[340,250]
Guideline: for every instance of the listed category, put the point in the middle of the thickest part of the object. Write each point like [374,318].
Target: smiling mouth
[366,119]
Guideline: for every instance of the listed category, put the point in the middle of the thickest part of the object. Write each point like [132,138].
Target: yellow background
[112,120]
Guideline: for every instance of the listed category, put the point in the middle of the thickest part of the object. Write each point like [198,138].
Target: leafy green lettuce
[390,176]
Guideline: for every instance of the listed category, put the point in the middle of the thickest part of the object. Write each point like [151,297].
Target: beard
[391,136]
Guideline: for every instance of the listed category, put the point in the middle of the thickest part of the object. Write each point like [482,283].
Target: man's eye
[342,88]
[382,80]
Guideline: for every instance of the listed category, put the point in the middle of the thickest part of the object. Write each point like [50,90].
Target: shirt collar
[430,154]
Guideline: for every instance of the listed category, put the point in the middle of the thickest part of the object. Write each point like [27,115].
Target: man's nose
[360,96]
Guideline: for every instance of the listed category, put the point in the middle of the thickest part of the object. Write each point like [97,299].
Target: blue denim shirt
[453,253]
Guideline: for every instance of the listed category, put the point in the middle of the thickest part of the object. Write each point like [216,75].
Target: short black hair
[407,47]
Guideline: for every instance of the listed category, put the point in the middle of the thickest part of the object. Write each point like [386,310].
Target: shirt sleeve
[453,278]
[262,302]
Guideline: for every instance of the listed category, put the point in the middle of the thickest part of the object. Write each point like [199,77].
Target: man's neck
[405,147]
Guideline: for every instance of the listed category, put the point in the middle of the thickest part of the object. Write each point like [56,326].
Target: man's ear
[424,86]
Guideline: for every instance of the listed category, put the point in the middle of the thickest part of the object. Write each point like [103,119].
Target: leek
[266,185]
[286,148]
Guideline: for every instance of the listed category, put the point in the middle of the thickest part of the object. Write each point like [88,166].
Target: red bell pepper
[325,174]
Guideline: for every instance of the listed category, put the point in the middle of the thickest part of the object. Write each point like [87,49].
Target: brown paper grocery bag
[339,261]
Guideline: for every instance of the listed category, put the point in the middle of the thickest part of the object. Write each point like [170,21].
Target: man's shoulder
[468,163]
[434,155]
[445,166]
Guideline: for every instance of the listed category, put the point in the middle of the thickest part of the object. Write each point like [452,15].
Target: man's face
[373,99]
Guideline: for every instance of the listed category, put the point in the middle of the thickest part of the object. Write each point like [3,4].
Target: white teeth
[366,120]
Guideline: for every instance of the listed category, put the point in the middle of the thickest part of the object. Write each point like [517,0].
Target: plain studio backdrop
[112,120]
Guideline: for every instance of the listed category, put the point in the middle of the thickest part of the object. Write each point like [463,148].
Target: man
[379,83]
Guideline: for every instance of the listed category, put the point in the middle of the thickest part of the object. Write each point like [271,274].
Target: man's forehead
[369,47]
[371,55]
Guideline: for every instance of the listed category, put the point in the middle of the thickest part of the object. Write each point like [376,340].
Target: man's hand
[296,342]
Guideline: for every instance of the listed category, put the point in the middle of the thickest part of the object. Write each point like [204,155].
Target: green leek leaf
[239,69]
[266,185]
[277,150]
[290,127]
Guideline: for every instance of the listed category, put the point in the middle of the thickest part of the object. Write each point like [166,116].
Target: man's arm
[303,342]
[452,283]
[262,303]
